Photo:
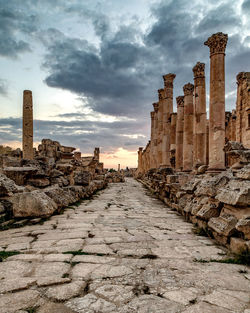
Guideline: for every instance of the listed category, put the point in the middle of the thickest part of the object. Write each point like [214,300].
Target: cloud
[15,22]
[246,7]
[3,87]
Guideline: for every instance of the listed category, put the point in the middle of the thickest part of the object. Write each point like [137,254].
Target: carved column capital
[140,149]
[161,94]
[188,89]
[168,80]
[217,43]
[180,101]
[199,70]
[243,76]
[156,106]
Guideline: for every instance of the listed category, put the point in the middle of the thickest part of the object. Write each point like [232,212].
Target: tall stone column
[140,159]
[200,115]
[152,161]
[160,125]
[167,111]
[155,144]
[179,133]
[188,128]
[173,118]
[28,152]
[217,45]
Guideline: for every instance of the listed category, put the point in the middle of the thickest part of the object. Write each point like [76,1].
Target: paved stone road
[137,256]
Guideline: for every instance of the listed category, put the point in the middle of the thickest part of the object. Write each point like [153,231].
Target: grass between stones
[5,254]
[80,252]
[32,309]
[241,259]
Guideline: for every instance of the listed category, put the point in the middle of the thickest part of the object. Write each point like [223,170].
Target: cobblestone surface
[122,252]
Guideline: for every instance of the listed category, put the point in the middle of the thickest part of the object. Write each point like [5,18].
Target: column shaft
[28,152]
[179,133]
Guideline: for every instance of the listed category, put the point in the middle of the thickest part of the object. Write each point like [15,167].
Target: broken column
[173,118]
[200,115]
[188,128]
[243,109]
[97,154]
[167,111]
[27,125]
[217,45]
[179,134]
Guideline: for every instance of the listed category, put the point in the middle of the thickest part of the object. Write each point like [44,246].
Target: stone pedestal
[27,125]
[200,116]
[167,111]
[188,128]
[217,44]
[179,134]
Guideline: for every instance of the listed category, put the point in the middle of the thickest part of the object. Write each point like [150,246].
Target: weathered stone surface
[235,193]
[223,225]
[33,204]
[61,197]
[21,300]
[54,308]
[208,210]
[15,284]
[82,178]
[238,245]
[19,174]
[7,186]
[65,292]
[243,226]
[38,182]
[244,173]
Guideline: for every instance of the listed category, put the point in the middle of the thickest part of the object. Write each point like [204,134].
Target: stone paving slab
[121,252]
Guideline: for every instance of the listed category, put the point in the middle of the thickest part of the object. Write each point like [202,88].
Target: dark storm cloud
[82,134]
[13,22]
[246,7]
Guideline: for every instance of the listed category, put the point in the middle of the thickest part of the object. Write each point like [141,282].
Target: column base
[215,170]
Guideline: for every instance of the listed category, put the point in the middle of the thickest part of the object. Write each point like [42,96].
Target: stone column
[152,162]
[179,133]
[200,115]
[188,128]
[173,118]
[119,168]
[167,111]
[155,150]
[97,154]
[140,159]
[160,125]
[217,44]
[27,125]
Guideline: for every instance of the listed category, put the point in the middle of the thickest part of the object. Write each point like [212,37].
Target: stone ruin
[35,183]
[198,166]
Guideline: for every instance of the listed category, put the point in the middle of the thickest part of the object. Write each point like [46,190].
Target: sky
[94,67]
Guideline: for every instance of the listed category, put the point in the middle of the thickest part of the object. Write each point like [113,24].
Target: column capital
[243,76]
[156,106]
[199,70]
[161,94]
[168,80]
[217,43]
[188,89]
[140,149]
[180,101]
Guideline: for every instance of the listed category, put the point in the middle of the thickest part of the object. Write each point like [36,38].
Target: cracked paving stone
[65,292]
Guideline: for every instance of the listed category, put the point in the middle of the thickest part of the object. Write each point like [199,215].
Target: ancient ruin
[205,175]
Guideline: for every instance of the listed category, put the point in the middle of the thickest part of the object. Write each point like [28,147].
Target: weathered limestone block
[61,196]
[82,178]
[33,204]
[238,245]
[38,182]
[66,169]
[244,173]
[209,185]
[7,186]
[191,185]
[235,193]
[19,174]
[209,210]
[198,204]
[56,173]
[223,225]
[243,226]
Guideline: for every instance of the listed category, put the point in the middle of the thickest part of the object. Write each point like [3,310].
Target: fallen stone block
[7,186]
[33,204]
[223,225]
[243,226]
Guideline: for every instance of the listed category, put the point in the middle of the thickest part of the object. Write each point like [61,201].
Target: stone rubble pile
[55,178]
